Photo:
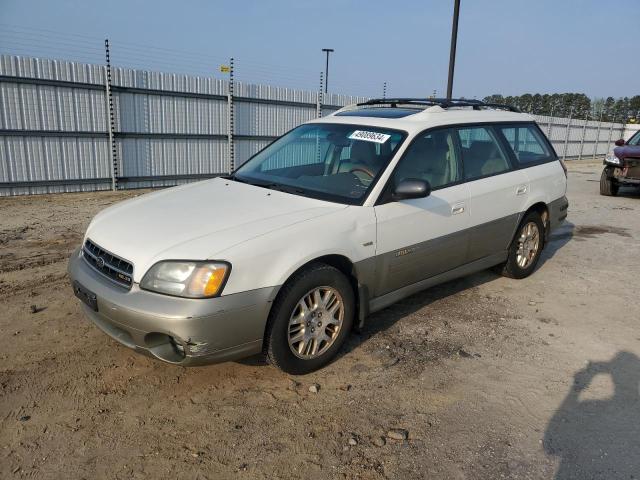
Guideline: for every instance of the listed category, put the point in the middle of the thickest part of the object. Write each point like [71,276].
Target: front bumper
[626,172]
[182,331]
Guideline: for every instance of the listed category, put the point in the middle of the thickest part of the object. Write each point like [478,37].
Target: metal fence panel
[168,128]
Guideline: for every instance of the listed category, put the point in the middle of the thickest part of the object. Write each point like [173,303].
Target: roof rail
[441,102]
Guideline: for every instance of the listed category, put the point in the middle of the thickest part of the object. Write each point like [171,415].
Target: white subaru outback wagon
[338,218]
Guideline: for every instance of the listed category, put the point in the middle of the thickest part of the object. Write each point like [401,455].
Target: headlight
[612,159]
[186,279]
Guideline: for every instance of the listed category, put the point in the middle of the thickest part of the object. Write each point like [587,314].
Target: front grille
[114,268]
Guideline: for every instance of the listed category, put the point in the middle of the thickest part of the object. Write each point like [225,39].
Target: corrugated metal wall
[54,124]
[576,139]
[169,128]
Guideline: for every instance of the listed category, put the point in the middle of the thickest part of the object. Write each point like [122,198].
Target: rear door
[420,238]
[497,192]
[534,154]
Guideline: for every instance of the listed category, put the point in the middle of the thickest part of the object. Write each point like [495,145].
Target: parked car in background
[622,167]
[338,218]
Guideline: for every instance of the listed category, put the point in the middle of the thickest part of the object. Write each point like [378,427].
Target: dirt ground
[491,377]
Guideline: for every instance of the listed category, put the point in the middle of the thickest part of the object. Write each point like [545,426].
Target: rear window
[527,144]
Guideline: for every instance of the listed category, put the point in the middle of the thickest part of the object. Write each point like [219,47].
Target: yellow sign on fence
[225,68]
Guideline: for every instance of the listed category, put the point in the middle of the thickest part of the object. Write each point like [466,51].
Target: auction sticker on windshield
[369,136]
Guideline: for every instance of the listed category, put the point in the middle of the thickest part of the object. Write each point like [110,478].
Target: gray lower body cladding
[415,263]
[176,330]
[558,210]
[387,278]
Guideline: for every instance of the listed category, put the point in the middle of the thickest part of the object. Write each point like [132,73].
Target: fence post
[595,149]
[613,121]
[623,127]
[584,133]
[320,97]
[230,122]
[549,124]
[566,137]
[113,155]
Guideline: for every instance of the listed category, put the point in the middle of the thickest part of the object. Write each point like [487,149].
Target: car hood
[197,220]
[627,151]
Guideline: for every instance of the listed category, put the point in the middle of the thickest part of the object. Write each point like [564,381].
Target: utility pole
[384,90]
[452,51]
[326,69]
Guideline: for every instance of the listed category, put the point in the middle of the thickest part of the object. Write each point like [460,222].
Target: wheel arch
[543,210]
[348,268]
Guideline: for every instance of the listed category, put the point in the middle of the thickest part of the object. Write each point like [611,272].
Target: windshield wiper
[270,185]
[281,188]
[235,178]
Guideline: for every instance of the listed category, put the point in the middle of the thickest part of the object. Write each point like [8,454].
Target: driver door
[420,238]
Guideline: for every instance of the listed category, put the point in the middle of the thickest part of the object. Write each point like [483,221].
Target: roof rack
[441,102]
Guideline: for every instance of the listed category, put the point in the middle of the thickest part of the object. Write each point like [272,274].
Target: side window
[431,157]
[481,153]
[527,144]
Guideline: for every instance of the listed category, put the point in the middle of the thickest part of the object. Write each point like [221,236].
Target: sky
[509,47]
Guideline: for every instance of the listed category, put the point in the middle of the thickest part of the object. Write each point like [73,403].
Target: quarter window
[431,157]
[481,153]
[527,144]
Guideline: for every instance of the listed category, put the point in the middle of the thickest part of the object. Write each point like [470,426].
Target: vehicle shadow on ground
[387,317]
[558,239]
[598,438]
[629,192]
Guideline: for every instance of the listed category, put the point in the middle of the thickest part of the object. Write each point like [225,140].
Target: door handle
[457,209]
[521,190]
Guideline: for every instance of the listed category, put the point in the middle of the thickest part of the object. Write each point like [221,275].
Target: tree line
[576,105]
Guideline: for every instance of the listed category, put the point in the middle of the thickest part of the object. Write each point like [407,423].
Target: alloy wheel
[315,322]
[528,245]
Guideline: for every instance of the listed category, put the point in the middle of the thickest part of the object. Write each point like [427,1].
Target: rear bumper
[176,330]
[558,210]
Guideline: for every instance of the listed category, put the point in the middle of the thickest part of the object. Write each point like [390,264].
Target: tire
[288,322]
[515,267]
[608,186]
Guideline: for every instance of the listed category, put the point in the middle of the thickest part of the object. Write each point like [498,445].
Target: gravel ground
[480,378]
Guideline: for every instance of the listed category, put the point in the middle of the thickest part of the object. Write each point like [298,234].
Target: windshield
[333,162]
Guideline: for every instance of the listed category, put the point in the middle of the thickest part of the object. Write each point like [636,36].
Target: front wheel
[310,320]
[525,249]
[608,186]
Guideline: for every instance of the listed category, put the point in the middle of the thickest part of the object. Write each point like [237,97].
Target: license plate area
[88,297]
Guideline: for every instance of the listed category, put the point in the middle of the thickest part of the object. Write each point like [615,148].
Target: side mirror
[620,143]
[411,188]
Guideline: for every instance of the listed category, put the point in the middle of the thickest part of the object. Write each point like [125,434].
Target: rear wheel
[310,320]
[608,185]
[525,249]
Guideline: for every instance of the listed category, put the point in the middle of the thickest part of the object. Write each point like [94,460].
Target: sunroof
[381,112]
